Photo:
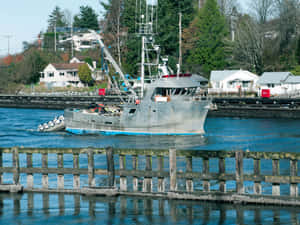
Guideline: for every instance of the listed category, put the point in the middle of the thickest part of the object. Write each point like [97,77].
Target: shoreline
[225,107]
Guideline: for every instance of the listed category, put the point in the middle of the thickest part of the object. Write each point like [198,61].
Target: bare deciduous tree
[112,25]
[288,26]
[227,6]
[249,44]
[262,9]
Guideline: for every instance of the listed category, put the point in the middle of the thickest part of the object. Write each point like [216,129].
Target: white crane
[115,65]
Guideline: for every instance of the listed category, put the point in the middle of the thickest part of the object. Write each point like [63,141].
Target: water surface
[18,127]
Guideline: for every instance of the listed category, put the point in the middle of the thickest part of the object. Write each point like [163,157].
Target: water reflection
[75,209]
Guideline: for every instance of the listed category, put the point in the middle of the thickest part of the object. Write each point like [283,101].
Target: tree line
[216,35]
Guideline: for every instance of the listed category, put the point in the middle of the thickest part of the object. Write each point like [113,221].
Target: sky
[23,20]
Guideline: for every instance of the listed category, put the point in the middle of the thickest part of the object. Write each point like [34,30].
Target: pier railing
[227,176]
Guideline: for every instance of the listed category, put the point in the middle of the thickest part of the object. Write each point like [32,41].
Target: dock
[288,108]
[214,176]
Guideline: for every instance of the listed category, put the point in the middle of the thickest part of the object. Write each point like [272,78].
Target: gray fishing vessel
[169,107]
[165,105]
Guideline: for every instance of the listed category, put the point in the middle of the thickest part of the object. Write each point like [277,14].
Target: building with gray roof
[275,82]
[227,81]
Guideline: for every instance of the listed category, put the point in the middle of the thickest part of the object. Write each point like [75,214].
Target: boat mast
[142,67]
[180,48]
[146,11]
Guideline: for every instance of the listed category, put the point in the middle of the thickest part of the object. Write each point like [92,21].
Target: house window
[42,75]
[61,73]
[75,74]
[245,84]
[50,74]
[70,73]
[271,85]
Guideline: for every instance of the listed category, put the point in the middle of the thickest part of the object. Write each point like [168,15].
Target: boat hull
[150,118]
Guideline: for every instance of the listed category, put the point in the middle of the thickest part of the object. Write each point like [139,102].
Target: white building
[276,82]
[97,74]
[61,75]
[82,41]
[292,85]
[233,81]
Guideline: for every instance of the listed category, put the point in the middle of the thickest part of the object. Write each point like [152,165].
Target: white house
[97,74]
[292,84]
[275,82]
[82,41]
[61,75]
[232,81]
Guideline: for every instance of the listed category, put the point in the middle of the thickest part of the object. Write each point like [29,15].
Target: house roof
[219,75]
[273,77]
[67,66]
[293,80]
[198,78]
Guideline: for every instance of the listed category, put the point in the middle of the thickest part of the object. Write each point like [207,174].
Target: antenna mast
[146,20]
[180,48]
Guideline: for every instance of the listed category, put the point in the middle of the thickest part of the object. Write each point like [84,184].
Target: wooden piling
[189,168]
[161,180]
[45,180]
[257,170]
[206,183]
[293,173]
[147,183]
[16,167]
[29,175]
[135,180]
[239,172]
[173,169]
[60,176]
[110,166]
[275,172]
[91,169]
[123,179]
[76,177]
[222,183]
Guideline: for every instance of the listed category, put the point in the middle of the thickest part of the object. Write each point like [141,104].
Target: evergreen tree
[168,25]
[205,38]
[297,53]
[87,18]
[132,47]
[119,26]
[56,19]
[85,74]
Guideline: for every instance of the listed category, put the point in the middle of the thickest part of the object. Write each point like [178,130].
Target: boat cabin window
[131,111]
[167,92]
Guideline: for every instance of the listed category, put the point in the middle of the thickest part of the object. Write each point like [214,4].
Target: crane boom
[113,62]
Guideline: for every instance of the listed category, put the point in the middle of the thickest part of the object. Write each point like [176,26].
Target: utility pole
[8,38]
[72,44]
[55,37]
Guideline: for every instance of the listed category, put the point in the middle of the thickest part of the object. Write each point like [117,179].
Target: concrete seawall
[226,107]
[53,102]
